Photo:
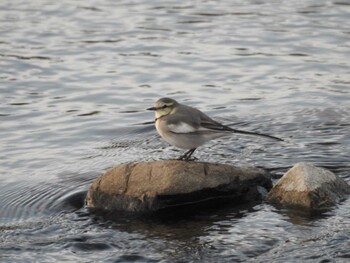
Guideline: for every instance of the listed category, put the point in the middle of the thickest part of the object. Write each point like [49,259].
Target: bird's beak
[152,108]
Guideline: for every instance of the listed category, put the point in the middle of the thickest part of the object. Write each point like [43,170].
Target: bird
[188,128]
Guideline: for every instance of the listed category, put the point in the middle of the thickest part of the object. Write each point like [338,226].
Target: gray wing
[187,115]
[187,119]
[209,123]
[192,120]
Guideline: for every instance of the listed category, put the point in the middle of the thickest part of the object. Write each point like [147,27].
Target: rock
[308,186]
[151,186]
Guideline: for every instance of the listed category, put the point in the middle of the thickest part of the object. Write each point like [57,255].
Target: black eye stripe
[163,107]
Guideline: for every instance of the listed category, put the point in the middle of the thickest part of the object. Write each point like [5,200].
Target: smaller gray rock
[308,186]
[152,186]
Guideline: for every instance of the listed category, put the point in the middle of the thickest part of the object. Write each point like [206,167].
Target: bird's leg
[190,152]
[187,155]
[183,157]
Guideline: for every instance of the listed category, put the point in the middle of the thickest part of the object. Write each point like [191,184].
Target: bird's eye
[164,106]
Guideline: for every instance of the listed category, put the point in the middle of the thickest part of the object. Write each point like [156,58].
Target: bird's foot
[187,155]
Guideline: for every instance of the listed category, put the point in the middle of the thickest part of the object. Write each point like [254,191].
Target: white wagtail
[186,127]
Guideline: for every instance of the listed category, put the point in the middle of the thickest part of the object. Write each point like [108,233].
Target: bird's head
[163,107]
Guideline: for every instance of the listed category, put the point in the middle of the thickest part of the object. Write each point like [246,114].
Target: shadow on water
[71,202]
[194,220]
[185,225]
[302,216]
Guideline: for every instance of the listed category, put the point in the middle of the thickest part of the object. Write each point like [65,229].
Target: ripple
[89,113]
[27,199]
[26,57]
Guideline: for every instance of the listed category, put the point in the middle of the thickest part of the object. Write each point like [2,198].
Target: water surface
[76,78]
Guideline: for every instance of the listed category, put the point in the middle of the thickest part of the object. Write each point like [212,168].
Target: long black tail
[256,134]
[213,125]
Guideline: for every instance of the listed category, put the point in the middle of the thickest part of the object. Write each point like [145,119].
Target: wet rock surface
[310,187]
[152,186]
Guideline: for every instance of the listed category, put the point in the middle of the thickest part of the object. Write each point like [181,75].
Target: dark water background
[76,76]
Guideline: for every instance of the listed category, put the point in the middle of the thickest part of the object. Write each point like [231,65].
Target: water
[75,80]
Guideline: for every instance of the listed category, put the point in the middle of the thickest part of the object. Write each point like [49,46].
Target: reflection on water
[76,79]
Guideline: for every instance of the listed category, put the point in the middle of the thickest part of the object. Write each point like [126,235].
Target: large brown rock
[308,186]
[152,186]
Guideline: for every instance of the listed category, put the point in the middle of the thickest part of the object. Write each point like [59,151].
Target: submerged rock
[151,186]
[308,186]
